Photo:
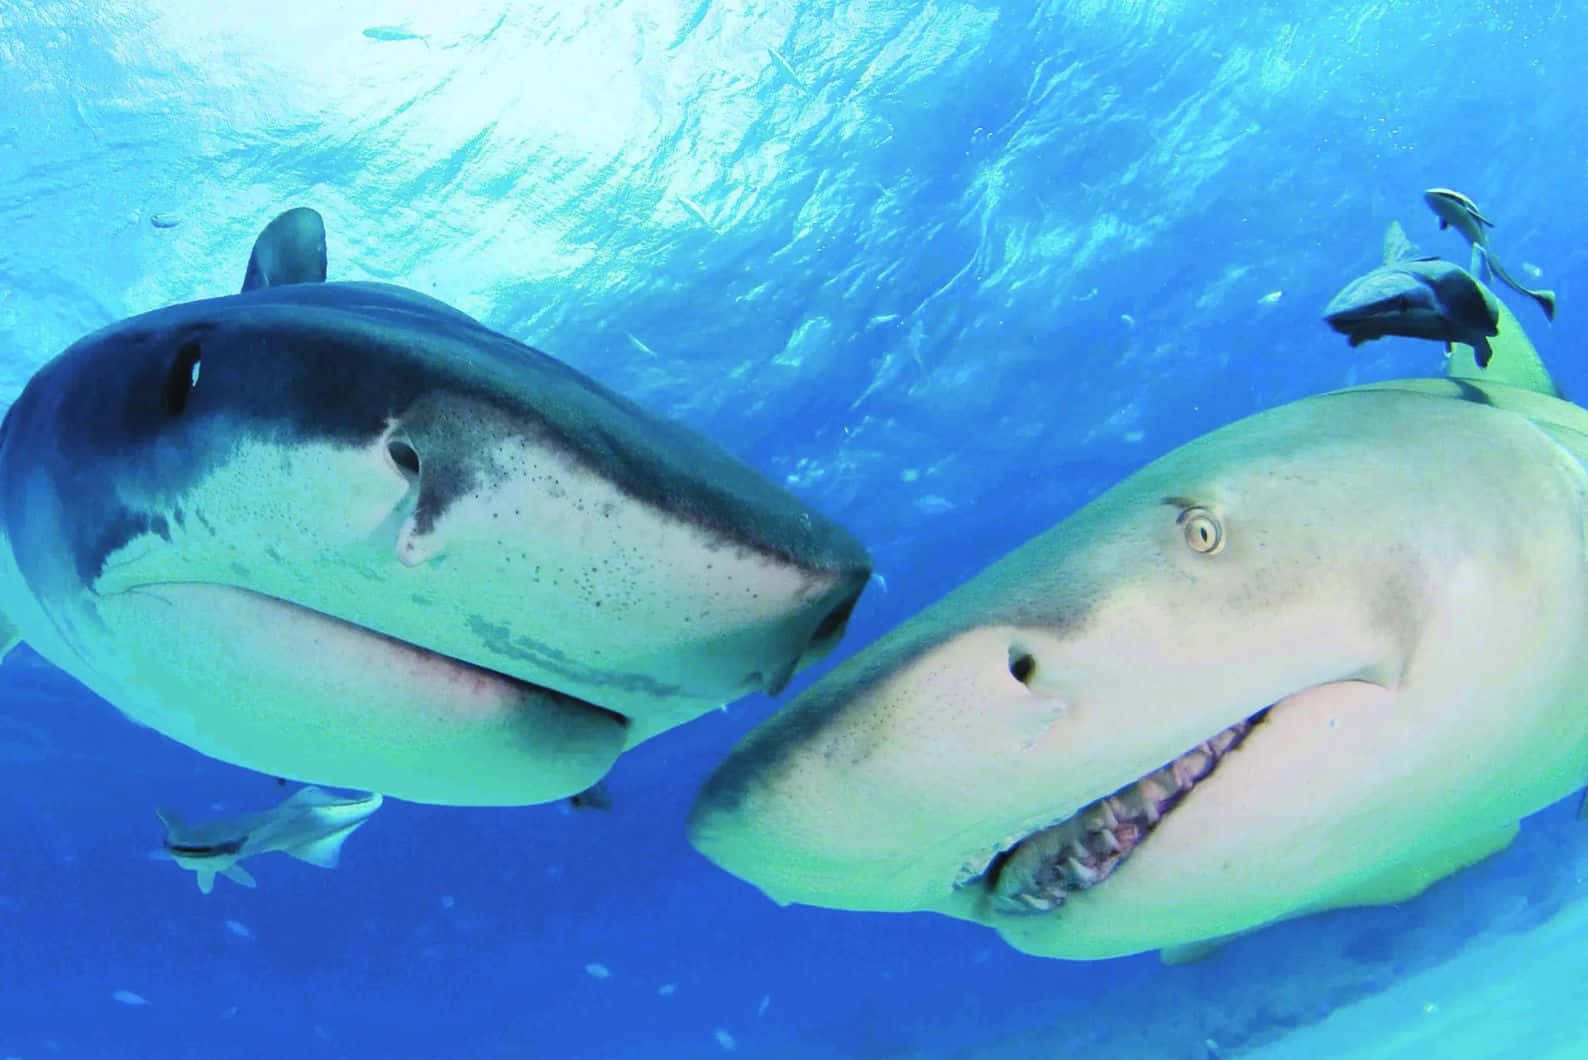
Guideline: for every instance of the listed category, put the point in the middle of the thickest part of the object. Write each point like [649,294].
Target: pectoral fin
[237,874]
[325,851]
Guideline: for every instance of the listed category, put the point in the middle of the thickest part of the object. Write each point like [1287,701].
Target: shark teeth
[1037,873]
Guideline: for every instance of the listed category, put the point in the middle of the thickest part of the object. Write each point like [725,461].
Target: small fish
[311,826]
[127,997]
[697,211]
[788,70]
[391,33]
[597,970]
[164,220]
[1455,210]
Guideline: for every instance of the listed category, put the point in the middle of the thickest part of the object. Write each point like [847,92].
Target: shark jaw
[1040,871]
[410,721]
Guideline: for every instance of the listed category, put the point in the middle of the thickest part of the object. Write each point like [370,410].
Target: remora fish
[343,533]
[311,826]
[1455,210]
[1306,661]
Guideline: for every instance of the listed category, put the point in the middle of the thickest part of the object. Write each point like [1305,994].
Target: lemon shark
[310,825]
[1318,658]
[344,533]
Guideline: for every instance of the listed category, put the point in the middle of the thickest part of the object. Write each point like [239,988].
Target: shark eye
[1203,533]
[403,455]
[1022,665]
[181,380]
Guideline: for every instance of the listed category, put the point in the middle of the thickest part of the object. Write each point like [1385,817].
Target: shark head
[344,533]
[1304,661]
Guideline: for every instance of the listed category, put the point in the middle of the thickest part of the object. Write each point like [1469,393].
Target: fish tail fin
[1546,302]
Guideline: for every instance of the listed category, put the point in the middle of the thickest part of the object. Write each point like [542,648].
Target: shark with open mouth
[1321,657]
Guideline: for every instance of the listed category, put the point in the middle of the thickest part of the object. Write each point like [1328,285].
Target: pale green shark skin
[1402,577]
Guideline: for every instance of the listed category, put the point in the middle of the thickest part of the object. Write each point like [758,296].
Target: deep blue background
[948,274]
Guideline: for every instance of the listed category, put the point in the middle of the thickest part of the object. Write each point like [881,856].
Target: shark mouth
[335,646]
[1038,873]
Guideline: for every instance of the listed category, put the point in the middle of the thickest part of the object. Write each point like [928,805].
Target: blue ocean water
[946,270]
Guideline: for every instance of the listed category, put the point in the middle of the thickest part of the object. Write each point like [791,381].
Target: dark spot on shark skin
[274,556]
[421,599]
[242,572]
[500,640]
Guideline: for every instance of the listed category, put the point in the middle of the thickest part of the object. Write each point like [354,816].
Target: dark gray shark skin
[291,249]
[344,533]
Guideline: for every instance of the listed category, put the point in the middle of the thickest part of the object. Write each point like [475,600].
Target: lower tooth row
[1152,796]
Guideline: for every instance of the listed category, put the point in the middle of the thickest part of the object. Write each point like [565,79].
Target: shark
[343,533]
[310,825]
[1457,211]
[1318,658]
[1418,296]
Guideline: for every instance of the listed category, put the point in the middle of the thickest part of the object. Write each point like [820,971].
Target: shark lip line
[468,681]
[1039,872]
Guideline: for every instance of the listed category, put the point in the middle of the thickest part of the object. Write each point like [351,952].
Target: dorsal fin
[1512,361]
[1398,246]
[291,249]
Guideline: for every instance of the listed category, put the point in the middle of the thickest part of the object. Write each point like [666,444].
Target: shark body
[1321,657]
[310,825]
[344,533]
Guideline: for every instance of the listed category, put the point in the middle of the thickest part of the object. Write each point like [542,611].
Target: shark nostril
[1022,665]
[404,456]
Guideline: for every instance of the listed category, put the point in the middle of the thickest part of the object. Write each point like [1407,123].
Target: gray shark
[1416,296]
[311,825]
[1456,211]
[344,533]
[1320,657]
